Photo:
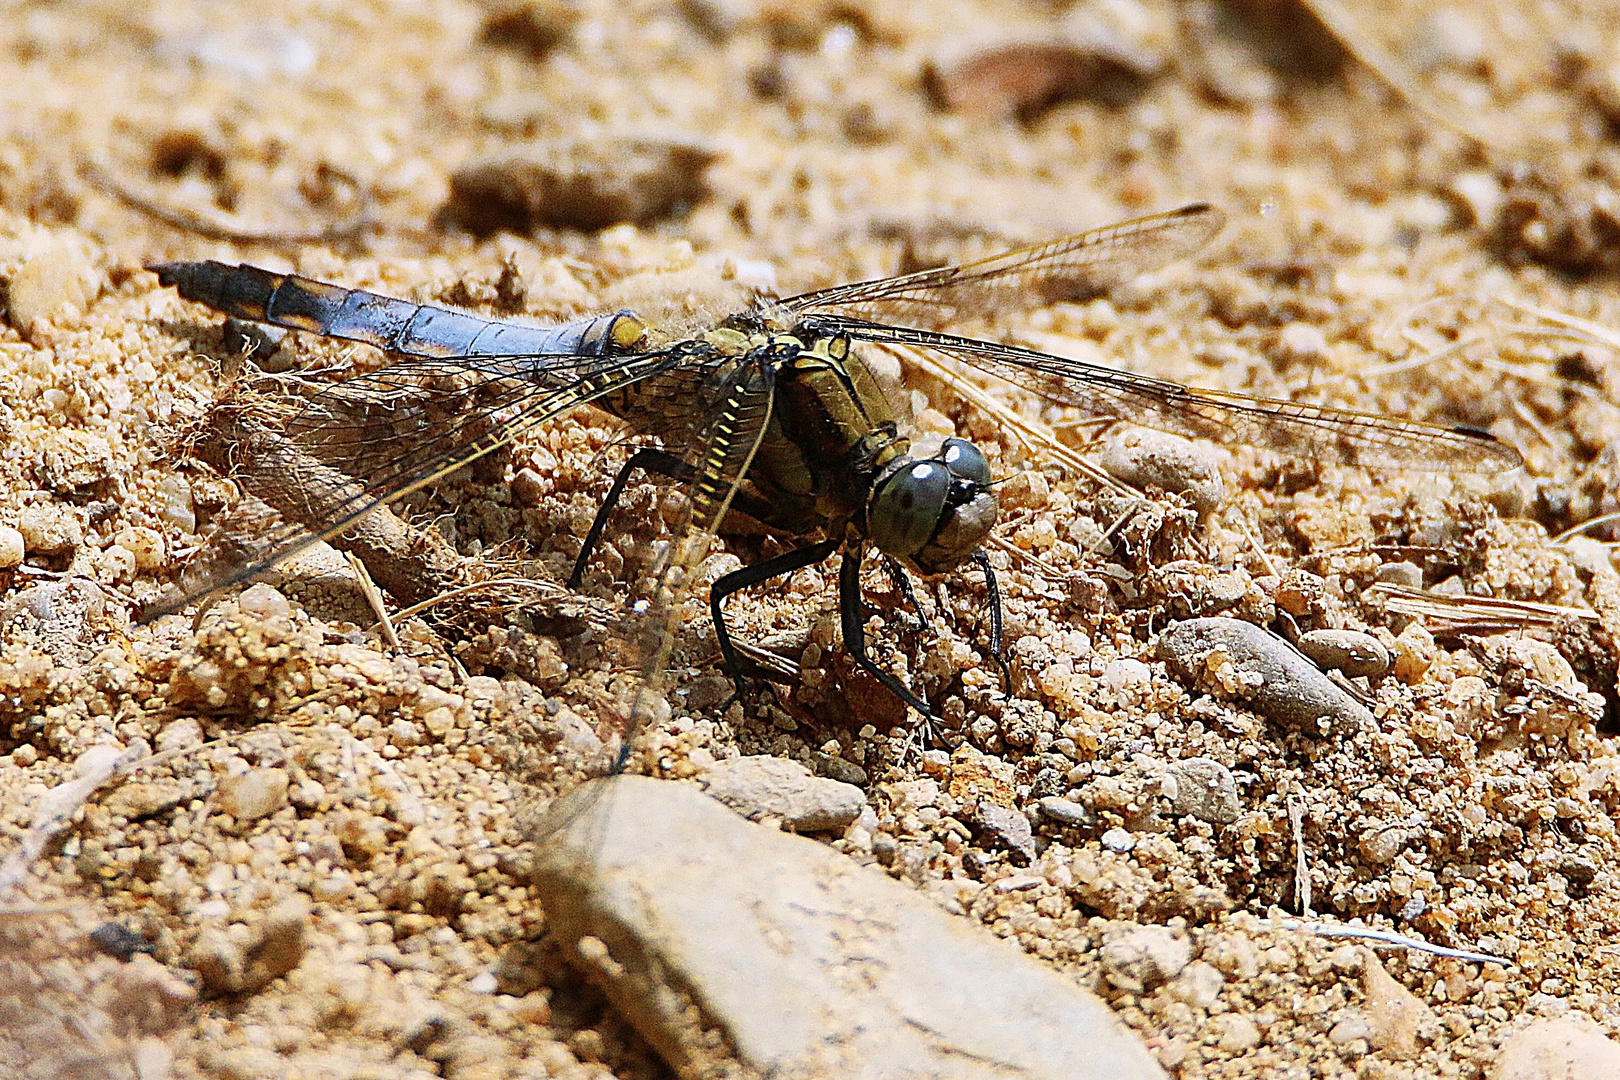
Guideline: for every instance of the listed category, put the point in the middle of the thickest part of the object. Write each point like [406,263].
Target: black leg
[737,580]
[647,458]
[902,584]
[993,598]
[852,616]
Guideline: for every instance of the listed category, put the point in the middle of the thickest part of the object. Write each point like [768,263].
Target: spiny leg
[852,618]
[648,458]
[902,585]
[993,602]
[737,580]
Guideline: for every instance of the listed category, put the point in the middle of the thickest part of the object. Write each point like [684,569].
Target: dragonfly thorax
[934,511]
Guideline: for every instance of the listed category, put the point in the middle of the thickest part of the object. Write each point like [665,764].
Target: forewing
[362,444]
[1072,268]
[1287,427]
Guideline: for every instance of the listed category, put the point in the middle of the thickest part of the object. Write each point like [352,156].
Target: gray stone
[1144,957]
[254,794]
[1008,829]
[1061,811]
[271,944]
[810,965]
[1264,672]
[1148,458]
[1202,788]
[764,786]
[1349,651]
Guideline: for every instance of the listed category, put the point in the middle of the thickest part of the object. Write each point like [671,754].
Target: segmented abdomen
[300,303]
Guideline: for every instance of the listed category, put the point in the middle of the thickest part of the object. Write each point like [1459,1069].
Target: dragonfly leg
[902,585]
[648,458]
[851,612]
[737,580]
[993,601]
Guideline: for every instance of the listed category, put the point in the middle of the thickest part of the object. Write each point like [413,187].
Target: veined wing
[1072,268]
[725,446]
[381,436]
[1306,431]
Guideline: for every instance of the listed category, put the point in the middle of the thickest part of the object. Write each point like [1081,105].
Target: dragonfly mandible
[772,411]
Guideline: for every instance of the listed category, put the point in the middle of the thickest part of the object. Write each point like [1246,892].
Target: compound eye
[965,461]
[905,513]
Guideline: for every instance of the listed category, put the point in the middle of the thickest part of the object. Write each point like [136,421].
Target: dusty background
[327,867]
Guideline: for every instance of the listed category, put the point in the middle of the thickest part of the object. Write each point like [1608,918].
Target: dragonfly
[771,411]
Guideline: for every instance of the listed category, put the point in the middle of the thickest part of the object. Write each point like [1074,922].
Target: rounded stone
[1246,662]
[12,548]
[1148,458]
[254,794]
[1350,651]
[49,530]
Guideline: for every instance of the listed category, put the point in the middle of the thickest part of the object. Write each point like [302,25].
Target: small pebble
[175,502]
[834,767]
[1246,662]
[145,544]
[1007,828]
[1302,343]
[1414,652]
[1407,574]
[265,601]
[1024,490]
[1118,674]
[1118,840]
[245,958]
[12,547]
[51,286]
[1145,957]
[1350,651]
[1394,1015]
[119,941]
[529,487]
[1204,789]
[1238,1034]
[1156,459]
[1481,193]
[49,530]
[1063,811]
[1199,985]
[254,794]
[1351,1027]
[764,786]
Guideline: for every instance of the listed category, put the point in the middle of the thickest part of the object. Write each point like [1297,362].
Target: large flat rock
[715,936]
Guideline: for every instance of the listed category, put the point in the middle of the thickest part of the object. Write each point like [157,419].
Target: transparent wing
[1072,268]
[730,437]
[1299,430]
[362,444]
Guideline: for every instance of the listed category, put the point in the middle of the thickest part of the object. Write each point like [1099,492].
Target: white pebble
[11,547]
[145,544]
[49,530]
[1148,458]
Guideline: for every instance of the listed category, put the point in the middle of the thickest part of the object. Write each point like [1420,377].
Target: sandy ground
[325,861]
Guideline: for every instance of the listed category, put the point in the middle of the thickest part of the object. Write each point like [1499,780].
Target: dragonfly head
[935,511]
